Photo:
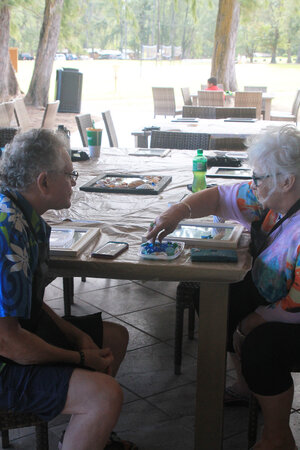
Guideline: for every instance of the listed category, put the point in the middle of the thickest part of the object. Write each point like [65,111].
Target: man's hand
[99,360]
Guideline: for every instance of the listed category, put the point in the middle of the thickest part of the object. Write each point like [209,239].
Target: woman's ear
[288,183]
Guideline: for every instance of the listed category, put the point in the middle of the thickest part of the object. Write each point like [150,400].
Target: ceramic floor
[158,411]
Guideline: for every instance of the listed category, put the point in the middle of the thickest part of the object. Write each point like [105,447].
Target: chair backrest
[201,112]
[247,99]
[84,121]
[50,115]
[296,105]
[164,101]
[222,113]
[231,144]
[210,98]
[10,107]
[4,120]
[179,140]
[187,100]
[110,129]
[21,115]
[255,88]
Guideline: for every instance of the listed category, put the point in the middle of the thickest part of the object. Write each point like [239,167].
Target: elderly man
[48,365]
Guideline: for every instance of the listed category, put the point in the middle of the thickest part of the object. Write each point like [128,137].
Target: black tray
[97,184]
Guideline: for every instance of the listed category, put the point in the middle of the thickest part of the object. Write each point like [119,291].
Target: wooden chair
[4,120]
[249,99]
[9,420]
[21,115]
[83,122]
[291,117]
[110,129]
[164,102]
[224,112]
[201,112]
[179,140]
[50,115]
[210,98]
[187,100]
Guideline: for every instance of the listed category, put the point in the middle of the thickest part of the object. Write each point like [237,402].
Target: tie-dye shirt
[276,271]
[18,255]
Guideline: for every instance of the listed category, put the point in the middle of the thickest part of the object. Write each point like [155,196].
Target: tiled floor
[158,412]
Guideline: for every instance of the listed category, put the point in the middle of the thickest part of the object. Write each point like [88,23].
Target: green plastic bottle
[199,171]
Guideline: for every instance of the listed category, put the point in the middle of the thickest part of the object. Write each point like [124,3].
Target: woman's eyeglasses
[256,179]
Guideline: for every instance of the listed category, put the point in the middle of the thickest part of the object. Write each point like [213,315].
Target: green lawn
[132,80]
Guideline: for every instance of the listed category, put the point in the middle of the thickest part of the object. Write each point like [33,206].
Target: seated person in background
[48,365]
[212,85]
[264,309]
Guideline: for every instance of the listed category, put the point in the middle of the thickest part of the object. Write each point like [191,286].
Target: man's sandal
[115,443]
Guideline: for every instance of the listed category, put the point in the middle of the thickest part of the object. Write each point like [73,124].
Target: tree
[39,86]
[225,40]
[8,83]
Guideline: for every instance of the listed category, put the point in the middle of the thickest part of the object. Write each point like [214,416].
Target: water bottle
[199,171]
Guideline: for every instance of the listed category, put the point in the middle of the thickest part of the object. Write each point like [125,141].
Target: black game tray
[116,183]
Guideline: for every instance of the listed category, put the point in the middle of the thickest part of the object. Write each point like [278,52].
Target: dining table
[214,127]
[126,217]
[229,101]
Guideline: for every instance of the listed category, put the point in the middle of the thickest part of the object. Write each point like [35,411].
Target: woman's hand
[166,222]
[99,360]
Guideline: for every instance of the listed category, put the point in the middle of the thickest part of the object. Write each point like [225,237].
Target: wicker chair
[187,100]
[110,129]
[210,98]
[223,113]
[258,89]
[249,99]
[9,420]
[164,102]
[230,144]
[84,121]
[50,115]
[4,120]
[21,115]
[7,135]
[201,112]
[179,140]
[291,117]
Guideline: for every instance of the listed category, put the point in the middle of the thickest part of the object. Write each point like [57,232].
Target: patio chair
[285,116]
[50,115]
[187,100]
[230,144]
[4,120]
[83,122]
[7,135]
[164,102]
[9,421]
[210,98]
[110,129]
[249,99]
[258,89]
[224,112]
[21,115]
[200,112]
[179,140]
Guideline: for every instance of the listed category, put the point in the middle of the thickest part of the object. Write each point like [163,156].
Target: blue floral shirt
[18,254]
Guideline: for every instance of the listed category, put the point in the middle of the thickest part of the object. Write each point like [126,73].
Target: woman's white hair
[277,152]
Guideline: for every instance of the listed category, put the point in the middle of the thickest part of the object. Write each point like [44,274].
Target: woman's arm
[200,204]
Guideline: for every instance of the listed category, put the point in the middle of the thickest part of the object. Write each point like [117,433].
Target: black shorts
[42,389]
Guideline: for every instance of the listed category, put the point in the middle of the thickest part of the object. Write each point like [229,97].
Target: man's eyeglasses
[73,175]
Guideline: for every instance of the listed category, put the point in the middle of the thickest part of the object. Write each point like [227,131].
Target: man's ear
[42,182]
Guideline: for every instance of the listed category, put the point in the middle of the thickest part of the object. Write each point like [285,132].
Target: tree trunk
[8,83]
[223,65]
[298,56]
[39,86]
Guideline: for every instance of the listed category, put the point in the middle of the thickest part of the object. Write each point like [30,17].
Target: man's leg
[116,338]
[94,400]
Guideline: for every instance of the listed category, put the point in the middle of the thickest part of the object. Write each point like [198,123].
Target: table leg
[141,141]
[211,370]
[267,108]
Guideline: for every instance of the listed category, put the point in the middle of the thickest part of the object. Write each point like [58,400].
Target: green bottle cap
[199,152]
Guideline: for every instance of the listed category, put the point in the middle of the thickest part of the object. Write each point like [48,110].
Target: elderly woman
[264,312]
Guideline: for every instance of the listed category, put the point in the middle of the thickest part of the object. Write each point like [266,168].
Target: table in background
[214,127]
[128,220]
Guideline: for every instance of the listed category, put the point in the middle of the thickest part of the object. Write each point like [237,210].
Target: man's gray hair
[28,155]
[276,152]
